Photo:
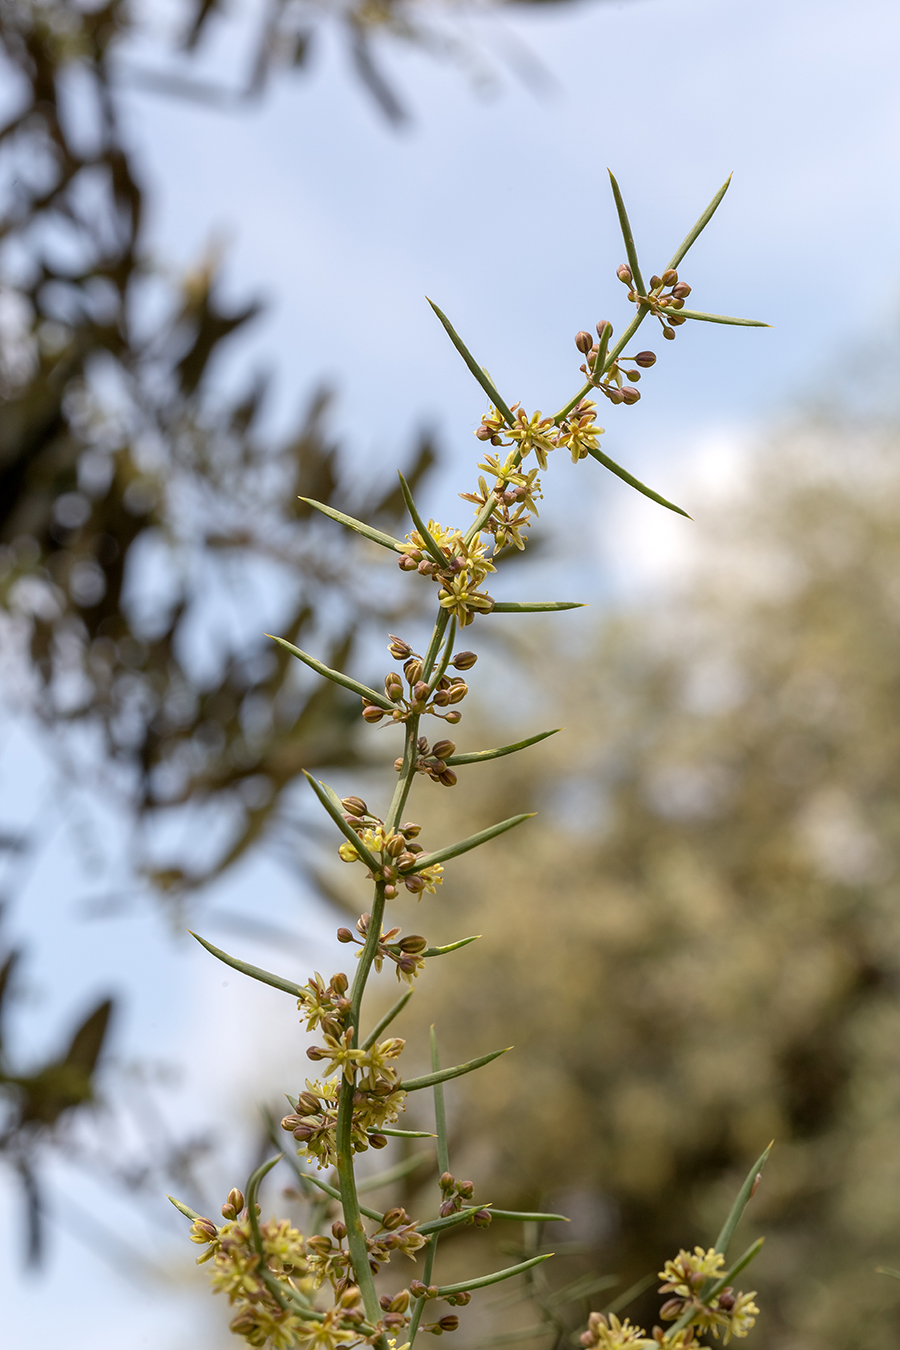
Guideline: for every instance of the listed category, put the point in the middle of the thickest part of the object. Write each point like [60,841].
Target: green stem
[420,1302]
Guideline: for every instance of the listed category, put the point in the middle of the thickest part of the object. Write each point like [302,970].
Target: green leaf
[480,374]
[481,756]
[751,1181]
[395,1173]
[749,1255]
[450,947]
[337,676]
[626,477]
[525,1217]
[432,1226]
[431,543]
[534,606]
[440,1115]
[323,795]
[184,1209]
[627,236]
[484,1280]
[368,531]
[693,233]
[718,318]
[474,840]
[406,1134]
[245,968]
[429,1079]
[387,1019]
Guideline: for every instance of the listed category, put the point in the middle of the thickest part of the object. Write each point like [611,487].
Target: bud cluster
[458,1194]
[432,761]
[665,297]
[421,695]
[398,851]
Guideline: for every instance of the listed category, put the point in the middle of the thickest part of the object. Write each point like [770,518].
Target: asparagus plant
[319,1289]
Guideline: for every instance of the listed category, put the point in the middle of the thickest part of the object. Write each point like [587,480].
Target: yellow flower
[534,433]
[689,1271]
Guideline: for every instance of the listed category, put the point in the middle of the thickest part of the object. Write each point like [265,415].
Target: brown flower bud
[203,1230]
[630,395]
[587,1339]
[344,935]
[307,1104]
[417,1288]
[390,891]
[623,272]
[464,660]
[339,983]
[676,320]
[396,844]
[454,716]
[668,334]
[320,1243]
[447,1181]
[461,1299]
[410,829]
[350,1297]
[354,806]
[671,1309]
[447,1208]
[726,1299]
[466,1189]
[372,713]
[448,778]
[393,1218]
[484,433]
[362,923]
[655,281]
[615,395]
[669,277]
[414,883]
[583,341]
[458,691]
[288,1123]
[400,1302]
[633,375]
[244,1324]
[317,1052]
[420,690]
[407,964]
[339,1228]
[235,1200]
[681,291]
[482,1219]
[645,359]
[442,749]
[449,1322]
[378,1140]
[393,687]
[406,563]
[441,698]
[405,861]
[399,649]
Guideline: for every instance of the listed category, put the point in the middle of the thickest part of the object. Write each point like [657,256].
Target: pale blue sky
[500,210]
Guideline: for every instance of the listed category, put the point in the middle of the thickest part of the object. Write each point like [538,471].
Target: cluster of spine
[318,1290]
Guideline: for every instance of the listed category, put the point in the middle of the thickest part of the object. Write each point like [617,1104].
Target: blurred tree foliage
[700,948]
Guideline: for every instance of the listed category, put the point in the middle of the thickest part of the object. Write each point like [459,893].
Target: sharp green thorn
[254,972]
[336,676]
[481,376]
[628,478]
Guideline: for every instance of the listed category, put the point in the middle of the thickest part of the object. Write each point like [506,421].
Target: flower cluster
[239,1270]
[405,953]
[459,566]
[398,853]
[685,1277]
[664,299]
[455,1195]
[314,1121]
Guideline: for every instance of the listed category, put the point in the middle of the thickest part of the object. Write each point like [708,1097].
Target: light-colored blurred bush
[699,949]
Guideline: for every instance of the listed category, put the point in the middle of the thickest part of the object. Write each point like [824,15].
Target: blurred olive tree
[700,949]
